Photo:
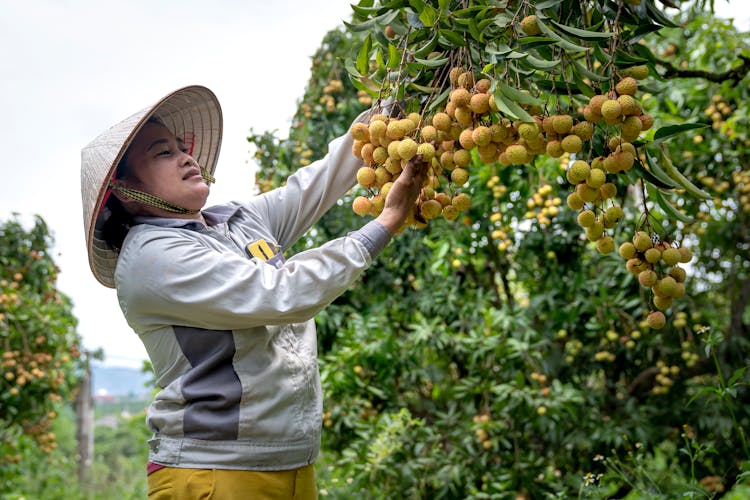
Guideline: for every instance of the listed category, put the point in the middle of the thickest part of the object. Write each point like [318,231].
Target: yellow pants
[174,483]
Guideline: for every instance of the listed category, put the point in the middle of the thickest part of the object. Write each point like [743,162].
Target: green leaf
[452,37]
[654,170]
[510,108]
[592,36]
[564,43]
[622,58]
[658,16]
[670,210]
[351,69]
[358,27]
[428,16]
[394,58]
[428,47]
[518,96]
[541,64]
[433,63]
[670,131]
[363,58]
[583,70]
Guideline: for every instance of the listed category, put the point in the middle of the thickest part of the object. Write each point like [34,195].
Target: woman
[226,319]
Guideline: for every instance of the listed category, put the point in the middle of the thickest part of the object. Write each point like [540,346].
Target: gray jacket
[230,334]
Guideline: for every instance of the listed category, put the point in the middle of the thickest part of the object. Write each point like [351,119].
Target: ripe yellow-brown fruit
[587,193]
[627,86]
[647,121]
[662,303]
[596,103]
[638,72]
[466,139]
[442,121]
[611,111]
[367,151]
[360,131]
[461,201]
[461,158]
[635,266]
[454,73]
[431,209]
[586,218]
[446,160]
[631,128]
[578,172]
[427,151]
[629,106]
[652,256]
[562,124]
[608,190]
[571,144]
[685,254]
[378,203]
[590,115]
[379,155]
[361,205]
[395,130]
[517,154]
[554,149]
[480,135]
[574,201]
[530,25]
[595,231]
[407,148]
[656,320]
[667,286]
[528,131]
[596,178]
[459,176]
[624,160]
[377,130]
[612,216]
[584,130]
[670,256]
[480,103]
[627,250]
[366,176]
[466,80]
[605,245]
[464,116]
[642,241]
[648,278]
[460,97]
[483,85]
[428,133]
[678,274]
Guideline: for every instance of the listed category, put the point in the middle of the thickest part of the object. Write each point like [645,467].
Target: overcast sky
[71,68]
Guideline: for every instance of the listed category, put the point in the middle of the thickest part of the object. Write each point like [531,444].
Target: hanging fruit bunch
[492,84]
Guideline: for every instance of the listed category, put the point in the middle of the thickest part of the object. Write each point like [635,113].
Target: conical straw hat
[191,113]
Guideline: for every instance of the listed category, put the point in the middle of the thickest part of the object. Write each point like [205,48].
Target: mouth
[192,172]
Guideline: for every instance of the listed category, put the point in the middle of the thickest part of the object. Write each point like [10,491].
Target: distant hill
[119,380]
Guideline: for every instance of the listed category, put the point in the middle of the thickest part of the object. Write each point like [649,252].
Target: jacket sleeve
[165,277]
[289,211]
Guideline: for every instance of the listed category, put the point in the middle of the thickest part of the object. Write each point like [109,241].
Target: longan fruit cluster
[657,267]
[622,112]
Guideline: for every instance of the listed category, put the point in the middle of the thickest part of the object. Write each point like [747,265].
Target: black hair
[119,222]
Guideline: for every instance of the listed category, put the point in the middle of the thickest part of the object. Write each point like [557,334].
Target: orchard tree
[39,346]
[500,348]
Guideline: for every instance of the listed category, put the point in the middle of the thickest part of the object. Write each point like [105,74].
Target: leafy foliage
[39,345]
[500,355]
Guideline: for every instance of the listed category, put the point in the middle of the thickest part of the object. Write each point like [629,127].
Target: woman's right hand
[399,203]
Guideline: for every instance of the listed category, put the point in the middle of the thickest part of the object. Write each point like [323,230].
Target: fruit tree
[574,324]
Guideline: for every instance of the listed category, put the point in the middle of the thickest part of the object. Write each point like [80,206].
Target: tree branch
[735,74]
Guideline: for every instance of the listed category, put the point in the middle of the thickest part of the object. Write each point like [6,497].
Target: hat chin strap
[155,201]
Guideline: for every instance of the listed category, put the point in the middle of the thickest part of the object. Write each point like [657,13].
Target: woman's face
[158,164]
